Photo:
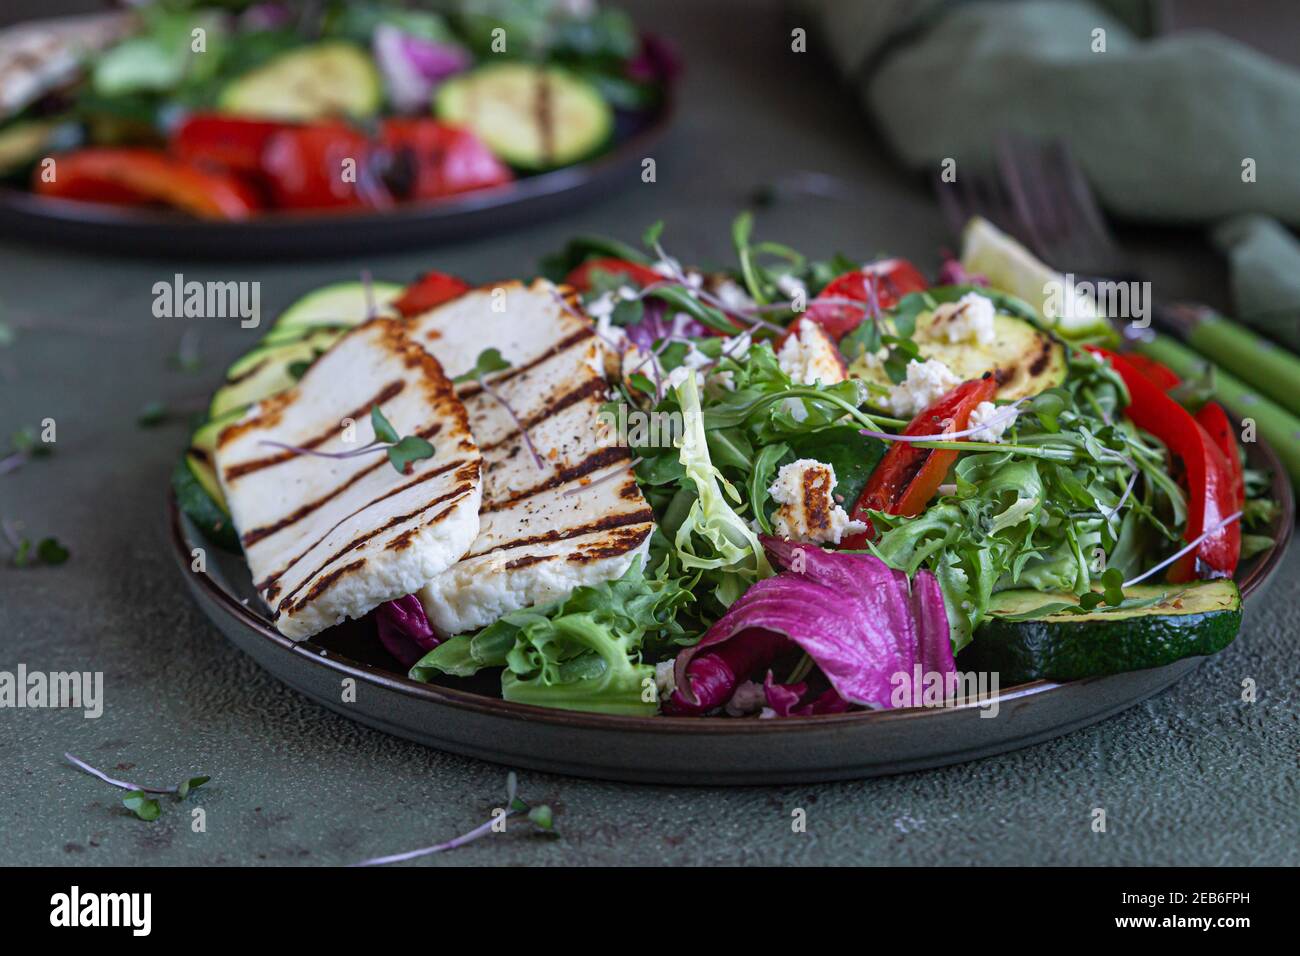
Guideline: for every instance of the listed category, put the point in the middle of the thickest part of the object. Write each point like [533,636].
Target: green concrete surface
[1193,776]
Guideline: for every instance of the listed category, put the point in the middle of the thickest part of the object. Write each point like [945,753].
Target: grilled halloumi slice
[572,515]
[332,538]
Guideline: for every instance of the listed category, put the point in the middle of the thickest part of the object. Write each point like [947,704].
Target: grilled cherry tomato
[580,277]
[888,280]
[136,176]
[430,290]
[908,477]
[1212,490]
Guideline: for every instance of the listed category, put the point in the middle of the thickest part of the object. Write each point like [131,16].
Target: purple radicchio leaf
[404,629]
[862,622]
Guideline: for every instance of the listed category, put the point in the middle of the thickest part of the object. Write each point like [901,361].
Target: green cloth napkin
[1265,263]
[1161,127]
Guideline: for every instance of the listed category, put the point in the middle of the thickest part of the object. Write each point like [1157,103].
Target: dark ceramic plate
[157,231]
[468,718]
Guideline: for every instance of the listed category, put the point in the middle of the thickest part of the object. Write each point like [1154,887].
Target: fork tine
[1015,178]
[953,204]
[1104,253]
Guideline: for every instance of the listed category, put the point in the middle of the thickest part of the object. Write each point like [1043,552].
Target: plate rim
[219,596]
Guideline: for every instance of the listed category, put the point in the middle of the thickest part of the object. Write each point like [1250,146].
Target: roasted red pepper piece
[143,176]
[891,278]
[430,290]
[1212,492]
[429,160]
[228,142]
[580,277]
[908,477]
[320,166]
[328,165]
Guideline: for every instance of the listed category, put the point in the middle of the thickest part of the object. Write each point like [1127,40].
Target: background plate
[468,719]
[156,231]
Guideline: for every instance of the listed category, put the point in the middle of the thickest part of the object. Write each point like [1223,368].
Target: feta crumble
[792,287]
[991,432]
[665,679]
[926,382]
[732,296]
[969,319]
[810,356]
[804,490]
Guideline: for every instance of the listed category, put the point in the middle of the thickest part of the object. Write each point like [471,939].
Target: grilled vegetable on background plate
[770,490]
[226,111]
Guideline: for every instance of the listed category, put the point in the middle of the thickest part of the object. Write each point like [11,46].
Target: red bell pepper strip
[888,280]
[141,176]
[227,142]
[639,275]
[908,477]
[430,290]
[1218,426]
[1157,372]
[1212,494]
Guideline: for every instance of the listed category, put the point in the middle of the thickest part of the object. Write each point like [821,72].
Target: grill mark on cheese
[456,493]
[257,464]
[609,522]
[594,462]
[463,479]
[469,389]
[321,586]
[265,531]
[553,406]
[621,543]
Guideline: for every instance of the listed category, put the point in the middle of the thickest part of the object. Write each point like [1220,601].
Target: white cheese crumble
[810,356]
[677,377]
[991,432]
[737,347]
[808,512]
[665,679]
[732,296]
[792,287]
[969,319]
[925,383]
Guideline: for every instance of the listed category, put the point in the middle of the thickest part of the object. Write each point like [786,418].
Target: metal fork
[1037,193]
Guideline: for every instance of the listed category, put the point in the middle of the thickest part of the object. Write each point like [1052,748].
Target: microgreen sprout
[24,552]
[489,361]
[539,815]
[138,799]
[402,452]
